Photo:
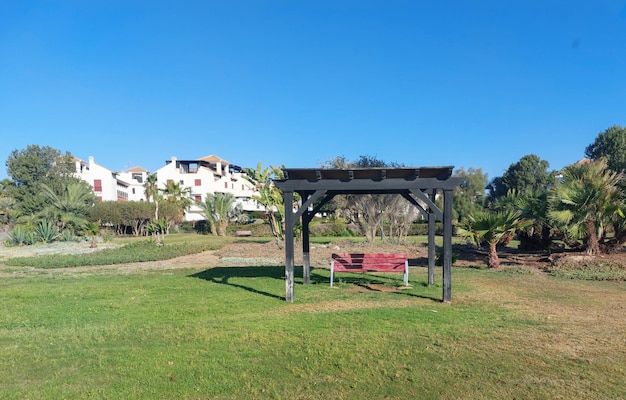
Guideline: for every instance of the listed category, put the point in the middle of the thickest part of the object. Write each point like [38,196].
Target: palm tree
[586,201]
[92,229]
[269,196]
[218,210]
[533,205]
[493,227]
[71,206]
[176,194]
[208,210]
[151,189]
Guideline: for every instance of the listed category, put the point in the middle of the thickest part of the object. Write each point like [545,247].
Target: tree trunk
[494,261]
[593,245]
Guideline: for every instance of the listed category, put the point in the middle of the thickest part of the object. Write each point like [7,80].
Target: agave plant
[46,231]
[21,235]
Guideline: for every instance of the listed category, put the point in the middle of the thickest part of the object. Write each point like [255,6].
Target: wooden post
[306,249]
[289,253]
[431,242]
[447,246]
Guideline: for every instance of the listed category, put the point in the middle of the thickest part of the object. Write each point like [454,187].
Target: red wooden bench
[370,262]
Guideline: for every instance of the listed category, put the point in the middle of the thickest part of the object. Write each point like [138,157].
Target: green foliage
[587,201]
[68,236]
[46,232]
[134,252]
[21,235]
[269,196]
[333,229]
[530,173]
[469,197]
[33,166]
[127,216]
[595,270]
[69,206]
[610,144]
[219,210]
[493,228]
[533,206]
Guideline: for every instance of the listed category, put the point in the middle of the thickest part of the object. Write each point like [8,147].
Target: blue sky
[422,83]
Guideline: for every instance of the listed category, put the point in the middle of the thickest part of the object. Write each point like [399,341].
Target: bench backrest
[370,262]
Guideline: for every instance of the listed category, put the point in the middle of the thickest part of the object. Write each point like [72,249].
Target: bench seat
[370,262]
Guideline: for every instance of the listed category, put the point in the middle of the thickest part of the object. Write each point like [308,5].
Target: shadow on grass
[369,282]
[376,283]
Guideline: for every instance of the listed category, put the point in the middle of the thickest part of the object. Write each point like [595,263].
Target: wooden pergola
[418,185]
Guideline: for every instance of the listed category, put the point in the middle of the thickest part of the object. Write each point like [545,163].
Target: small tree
[492,227]
[92,229]
[269,196]
[219,209]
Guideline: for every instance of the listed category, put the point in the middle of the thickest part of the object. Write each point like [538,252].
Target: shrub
[333,229]
[68,236]
[20,236]
[588,269]
[46,232]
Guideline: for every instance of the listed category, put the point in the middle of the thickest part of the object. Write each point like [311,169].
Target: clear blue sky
[296,83]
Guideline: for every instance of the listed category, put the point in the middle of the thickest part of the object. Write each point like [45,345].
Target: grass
[136,251]
[594,271]
[227,333]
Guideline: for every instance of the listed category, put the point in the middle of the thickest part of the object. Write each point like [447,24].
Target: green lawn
[227,333]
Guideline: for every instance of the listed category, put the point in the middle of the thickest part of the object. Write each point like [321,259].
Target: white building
[209,174]
[112,186]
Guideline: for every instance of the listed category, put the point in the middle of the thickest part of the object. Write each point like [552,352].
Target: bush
[68,236]
[20,236]
[46,232]
[588,268]
[421,229]
[333,229]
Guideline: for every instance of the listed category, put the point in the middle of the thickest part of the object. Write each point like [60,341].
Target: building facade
[209,174]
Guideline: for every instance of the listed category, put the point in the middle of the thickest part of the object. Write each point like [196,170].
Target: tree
[219,209]
[269,196]
[492,227]
[369,211]
[469,197]
[35,165]
[530,173]
[533,206]
[586,201]
[92,229]
[69,208]
[610,144]
[152,192]
[176,194]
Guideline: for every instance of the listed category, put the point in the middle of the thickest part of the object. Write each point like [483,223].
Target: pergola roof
[366,180]
[408,173]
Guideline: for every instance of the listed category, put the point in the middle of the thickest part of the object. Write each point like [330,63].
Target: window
[97,185]
[198,197]
[225,185]
[198,182]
